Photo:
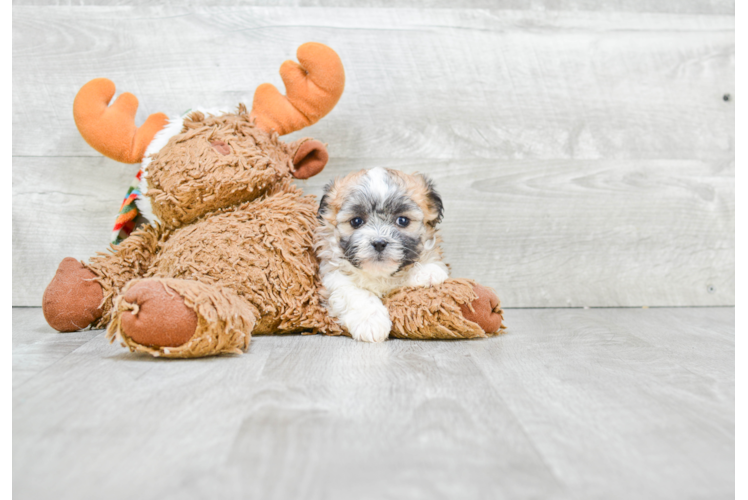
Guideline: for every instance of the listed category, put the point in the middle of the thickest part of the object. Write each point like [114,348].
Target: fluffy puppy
[377,233]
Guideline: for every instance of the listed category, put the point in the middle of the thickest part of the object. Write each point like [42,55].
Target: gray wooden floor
[570,403]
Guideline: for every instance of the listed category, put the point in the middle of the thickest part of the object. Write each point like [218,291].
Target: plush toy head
[220,161]
[203,162]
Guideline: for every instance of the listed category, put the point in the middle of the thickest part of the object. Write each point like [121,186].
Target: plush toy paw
[486,312]
[73,298]
[159,316]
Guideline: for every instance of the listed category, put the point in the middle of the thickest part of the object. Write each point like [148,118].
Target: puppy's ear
[333,194]
[324,205]
[435,204]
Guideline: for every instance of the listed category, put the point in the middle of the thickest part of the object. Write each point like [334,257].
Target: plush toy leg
[73,298]
[176,318]
[127,261]
[456,309]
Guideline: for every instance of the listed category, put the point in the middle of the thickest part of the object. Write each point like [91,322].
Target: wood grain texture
[34,350]
[420,83]
[599,371]
[585,154]
[542,233]
[708,7]
[600,403]
[740,62]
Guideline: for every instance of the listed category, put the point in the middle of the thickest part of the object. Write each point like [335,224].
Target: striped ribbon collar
[129,217]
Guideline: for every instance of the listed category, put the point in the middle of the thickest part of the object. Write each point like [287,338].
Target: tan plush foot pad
[486,311]
[73,298]
[159,317]
[174,318]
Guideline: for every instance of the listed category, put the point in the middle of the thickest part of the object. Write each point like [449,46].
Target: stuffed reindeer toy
[229,252]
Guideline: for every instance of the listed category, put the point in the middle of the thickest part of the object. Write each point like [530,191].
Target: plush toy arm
[454,309]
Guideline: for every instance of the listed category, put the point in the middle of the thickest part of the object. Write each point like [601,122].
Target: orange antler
[111,130]
[312,90]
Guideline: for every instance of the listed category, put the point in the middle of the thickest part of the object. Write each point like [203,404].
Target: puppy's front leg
[359,311]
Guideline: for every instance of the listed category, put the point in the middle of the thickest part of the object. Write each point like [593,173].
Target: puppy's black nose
[379,245]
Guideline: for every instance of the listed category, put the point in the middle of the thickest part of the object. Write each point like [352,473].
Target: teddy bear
[229,251]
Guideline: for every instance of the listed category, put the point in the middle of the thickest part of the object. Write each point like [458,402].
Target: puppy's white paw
[359,311]
[372,331]
[371,323]
[427,275]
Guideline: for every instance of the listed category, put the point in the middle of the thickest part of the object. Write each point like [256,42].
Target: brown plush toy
[231,254]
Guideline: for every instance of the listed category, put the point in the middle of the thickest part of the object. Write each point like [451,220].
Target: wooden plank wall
[585,150]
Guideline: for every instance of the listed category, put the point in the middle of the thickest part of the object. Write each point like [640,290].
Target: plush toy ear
[310,159]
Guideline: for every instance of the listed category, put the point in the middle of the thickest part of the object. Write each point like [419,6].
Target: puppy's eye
[403,221]
[357,222]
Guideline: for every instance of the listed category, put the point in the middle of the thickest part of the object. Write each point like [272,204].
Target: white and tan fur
[366,249]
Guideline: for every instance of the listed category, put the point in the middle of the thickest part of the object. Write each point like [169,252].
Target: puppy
[378,233]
